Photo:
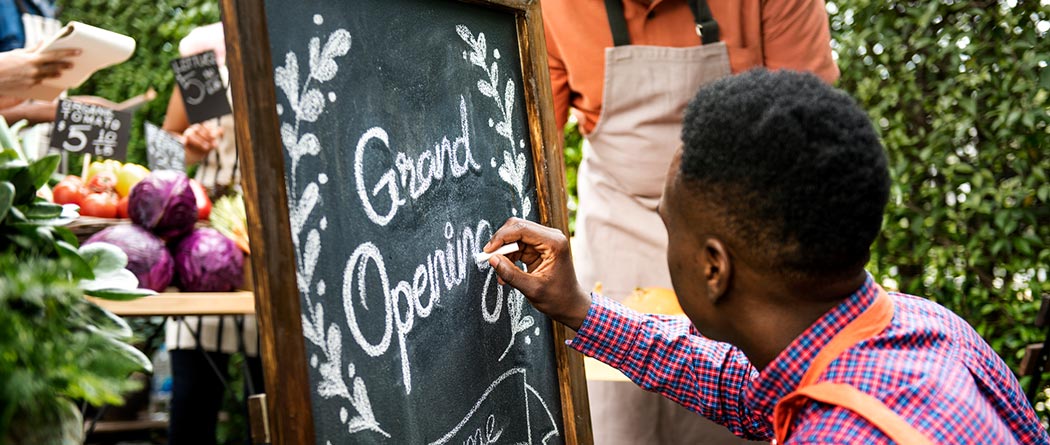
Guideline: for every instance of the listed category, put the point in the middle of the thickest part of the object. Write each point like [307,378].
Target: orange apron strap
[869,323]
[846,396]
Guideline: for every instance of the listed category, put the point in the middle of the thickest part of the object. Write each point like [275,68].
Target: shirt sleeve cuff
[608,331]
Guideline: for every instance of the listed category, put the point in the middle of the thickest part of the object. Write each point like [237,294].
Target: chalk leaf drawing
[307,107]
[514,167]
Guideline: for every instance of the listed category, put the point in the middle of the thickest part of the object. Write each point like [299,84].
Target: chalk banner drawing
[406,145]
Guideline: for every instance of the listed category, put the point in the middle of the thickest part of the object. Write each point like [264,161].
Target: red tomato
[69,190]
[203,203]
[102,205]
[122,208]
[102,182]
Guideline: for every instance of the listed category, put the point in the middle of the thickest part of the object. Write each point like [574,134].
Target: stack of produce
[162,245]
[103,190]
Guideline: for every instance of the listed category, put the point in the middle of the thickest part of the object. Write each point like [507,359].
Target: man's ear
[717,268]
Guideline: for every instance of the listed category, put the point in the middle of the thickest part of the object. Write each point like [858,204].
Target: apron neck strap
[875,319]
[617,22]
[706,26]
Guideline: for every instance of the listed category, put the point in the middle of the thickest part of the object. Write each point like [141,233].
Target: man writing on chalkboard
[770,207]
[627,87]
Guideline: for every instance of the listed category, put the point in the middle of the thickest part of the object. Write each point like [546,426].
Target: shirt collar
[783,374]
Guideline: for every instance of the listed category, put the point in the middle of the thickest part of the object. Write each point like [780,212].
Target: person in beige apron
[620,241]
[198,388]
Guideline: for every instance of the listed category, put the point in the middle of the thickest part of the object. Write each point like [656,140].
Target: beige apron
[620,240]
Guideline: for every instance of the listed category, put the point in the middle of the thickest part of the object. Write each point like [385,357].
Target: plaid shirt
[928,366]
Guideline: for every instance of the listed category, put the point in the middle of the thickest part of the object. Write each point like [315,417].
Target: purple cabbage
[207,261]
[148,258]
[164,203]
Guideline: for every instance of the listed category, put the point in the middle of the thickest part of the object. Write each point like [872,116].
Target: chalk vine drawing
[491,434]
[514,168]
[308,103]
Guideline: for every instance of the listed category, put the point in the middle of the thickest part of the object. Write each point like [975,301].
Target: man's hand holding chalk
[508,249]
[549,281]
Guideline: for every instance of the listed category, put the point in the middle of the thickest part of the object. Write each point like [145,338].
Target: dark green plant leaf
[132,355]
[105,322]
[80,269]
[120,294]
[7,198]
[42,210]
[41,170]
[64,234]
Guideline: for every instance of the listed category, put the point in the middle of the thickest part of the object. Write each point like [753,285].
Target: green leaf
[998,246]
[64,234]
[120,294]
[21,179]
[7,197]
[42,210]
[9,167]
[132,355]
[81,269]
[105,322]
[1000,219]
[1022,246]
[104,258]
[41,170]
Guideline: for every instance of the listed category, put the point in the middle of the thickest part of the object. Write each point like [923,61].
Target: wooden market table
[183,303]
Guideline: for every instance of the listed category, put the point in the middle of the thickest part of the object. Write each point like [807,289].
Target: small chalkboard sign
[384,141]
[87,128]
[201,86]
[164,151]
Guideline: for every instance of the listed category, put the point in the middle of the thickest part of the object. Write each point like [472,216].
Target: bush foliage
[959,91]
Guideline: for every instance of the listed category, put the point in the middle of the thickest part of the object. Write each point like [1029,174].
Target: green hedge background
[157,26]
[958,89]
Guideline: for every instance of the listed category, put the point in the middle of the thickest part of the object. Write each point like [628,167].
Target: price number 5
[76,133]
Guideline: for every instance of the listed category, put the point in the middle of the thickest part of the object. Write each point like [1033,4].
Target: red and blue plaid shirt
[929,366]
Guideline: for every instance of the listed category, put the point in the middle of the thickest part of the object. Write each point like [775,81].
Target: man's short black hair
[793,165]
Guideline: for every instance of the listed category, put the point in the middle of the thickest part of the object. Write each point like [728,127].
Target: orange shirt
[790,34]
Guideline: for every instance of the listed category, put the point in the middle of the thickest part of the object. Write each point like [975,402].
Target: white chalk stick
[483,257]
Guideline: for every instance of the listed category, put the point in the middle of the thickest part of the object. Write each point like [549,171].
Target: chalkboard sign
[201,86]
[385,141]
[164,151]
[87,128]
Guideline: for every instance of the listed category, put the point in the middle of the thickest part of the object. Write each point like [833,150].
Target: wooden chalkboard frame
[262,158]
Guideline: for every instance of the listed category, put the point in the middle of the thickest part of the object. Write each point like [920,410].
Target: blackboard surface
[406,145]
